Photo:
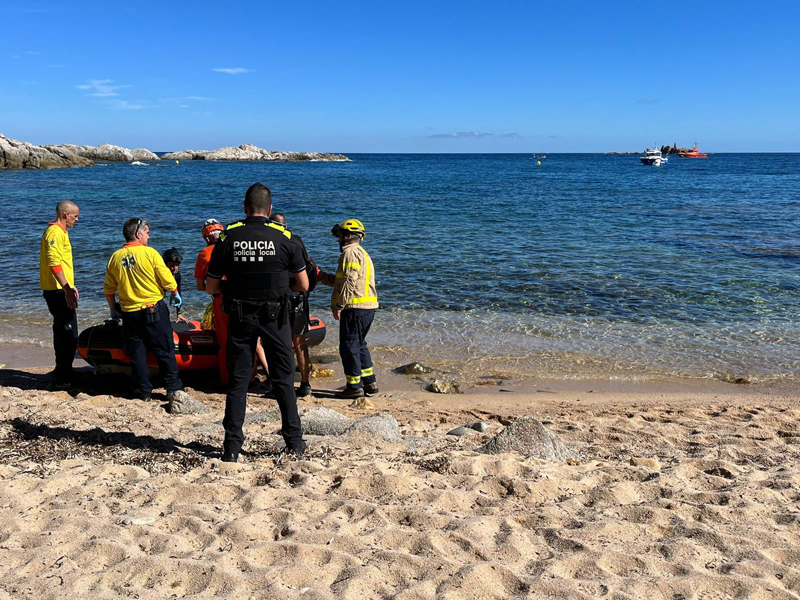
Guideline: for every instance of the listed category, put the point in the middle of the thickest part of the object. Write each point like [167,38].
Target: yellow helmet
[351,225]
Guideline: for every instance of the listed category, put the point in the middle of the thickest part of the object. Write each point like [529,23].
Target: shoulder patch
[280,228]
[234,225]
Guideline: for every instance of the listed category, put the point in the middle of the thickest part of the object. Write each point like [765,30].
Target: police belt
[272,310]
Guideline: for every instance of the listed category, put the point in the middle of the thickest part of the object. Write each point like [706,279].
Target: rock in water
[22,155]
[143,154]
[186,155]
[443,387]
[414,368]
[112,153]
[529,437]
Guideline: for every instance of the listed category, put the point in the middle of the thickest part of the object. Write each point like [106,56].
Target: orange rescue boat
[693,153]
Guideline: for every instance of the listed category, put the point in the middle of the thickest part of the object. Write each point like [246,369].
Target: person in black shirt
[300,314]
[257,259]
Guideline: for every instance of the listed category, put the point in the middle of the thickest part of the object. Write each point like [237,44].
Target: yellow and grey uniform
[355,294]
[55,256]
[140,276]
[354,282]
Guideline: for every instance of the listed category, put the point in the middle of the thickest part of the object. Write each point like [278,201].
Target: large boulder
[143,154]
[529,437]
[186,155]
[15,154]
[245,152]
[111,152]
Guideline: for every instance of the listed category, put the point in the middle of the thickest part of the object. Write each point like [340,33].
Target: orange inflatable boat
[195,348]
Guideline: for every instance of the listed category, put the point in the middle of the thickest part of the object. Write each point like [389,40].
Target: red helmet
[212,225]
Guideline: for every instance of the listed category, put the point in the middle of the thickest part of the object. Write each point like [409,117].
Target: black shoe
[370,389]
[304,390]
[143,396]
[230,457]
[298,450]
[350,393]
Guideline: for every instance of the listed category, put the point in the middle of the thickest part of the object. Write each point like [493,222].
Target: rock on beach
[529,437]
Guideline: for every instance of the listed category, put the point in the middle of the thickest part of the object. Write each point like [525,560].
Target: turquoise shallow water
[587,265]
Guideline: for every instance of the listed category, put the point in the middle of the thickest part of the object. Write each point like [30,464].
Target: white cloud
[101,88]
[125,105]
[199,98]
[233,70]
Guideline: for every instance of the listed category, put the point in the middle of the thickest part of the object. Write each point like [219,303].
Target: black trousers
[354,325]
[276,337]
[65,333]
[142,331]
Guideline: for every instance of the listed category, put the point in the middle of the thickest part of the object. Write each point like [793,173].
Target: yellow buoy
[177,162]
[538,163]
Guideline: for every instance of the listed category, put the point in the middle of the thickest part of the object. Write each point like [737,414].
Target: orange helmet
[212,225]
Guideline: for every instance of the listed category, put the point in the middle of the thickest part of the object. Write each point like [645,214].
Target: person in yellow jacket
[57,281]
[140,276]
[353,303]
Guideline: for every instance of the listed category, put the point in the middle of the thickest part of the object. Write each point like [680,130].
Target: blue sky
[403,77]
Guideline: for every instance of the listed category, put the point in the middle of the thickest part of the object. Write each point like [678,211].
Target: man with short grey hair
[57,281]
[140,276]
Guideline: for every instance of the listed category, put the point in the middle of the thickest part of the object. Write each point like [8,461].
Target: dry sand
[680,492]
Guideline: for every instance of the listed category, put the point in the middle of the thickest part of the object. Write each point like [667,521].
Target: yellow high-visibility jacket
[354,282]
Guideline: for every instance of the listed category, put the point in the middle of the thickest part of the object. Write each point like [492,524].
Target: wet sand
[679,491]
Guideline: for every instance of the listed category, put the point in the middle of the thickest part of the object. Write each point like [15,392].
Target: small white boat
[138,163]
[653,158]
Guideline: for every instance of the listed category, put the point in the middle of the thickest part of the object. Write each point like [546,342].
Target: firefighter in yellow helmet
[353,303]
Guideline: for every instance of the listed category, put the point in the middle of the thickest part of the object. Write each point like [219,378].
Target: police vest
[257,258]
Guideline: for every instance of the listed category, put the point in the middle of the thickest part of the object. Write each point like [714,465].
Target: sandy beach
[676,492]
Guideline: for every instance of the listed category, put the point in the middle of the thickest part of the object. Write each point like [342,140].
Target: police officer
[257,258]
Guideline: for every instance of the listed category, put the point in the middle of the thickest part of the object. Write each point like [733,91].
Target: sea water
[583,266]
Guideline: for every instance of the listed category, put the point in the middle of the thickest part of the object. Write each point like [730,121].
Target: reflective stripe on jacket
[354,283]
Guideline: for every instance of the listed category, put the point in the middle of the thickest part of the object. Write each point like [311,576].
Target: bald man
[57,280]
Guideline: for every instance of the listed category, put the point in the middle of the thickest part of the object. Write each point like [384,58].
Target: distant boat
[653,158]
[693,153]
[539,156]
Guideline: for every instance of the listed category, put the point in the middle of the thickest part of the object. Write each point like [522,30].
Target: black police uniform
[256,258]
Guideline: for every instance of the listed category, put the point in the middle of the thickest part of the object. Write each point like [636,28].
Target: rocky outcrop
[186,155]
[251,153]
[23,155]
[107,152]
[111,152]
[143,154]
[673,149]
